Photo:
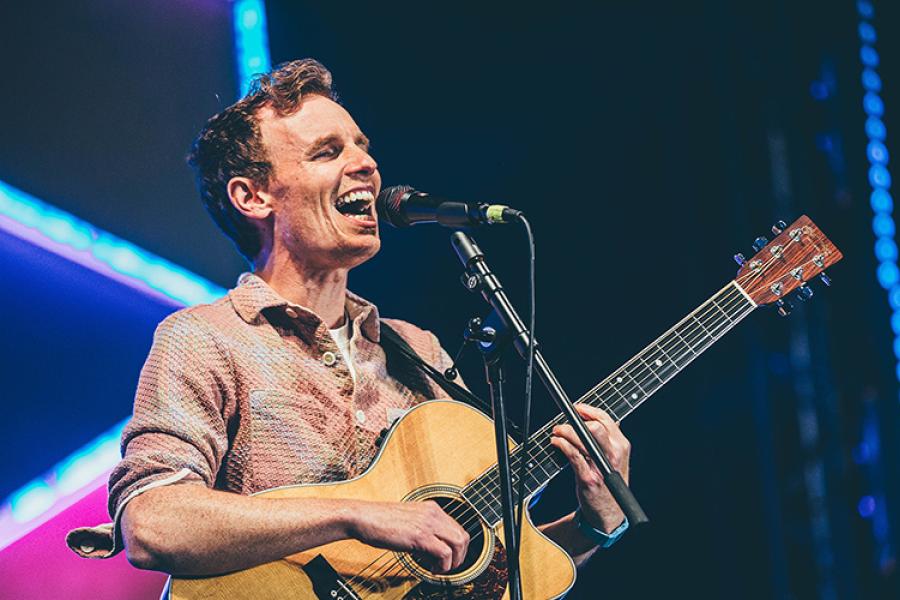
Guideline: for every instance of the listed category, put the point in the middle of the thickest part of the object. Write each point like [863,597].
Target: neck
[323,291]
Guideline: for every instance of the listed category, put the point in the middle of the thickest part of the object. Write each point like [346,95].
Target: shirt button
[360,417]
[329,358]
[290,312]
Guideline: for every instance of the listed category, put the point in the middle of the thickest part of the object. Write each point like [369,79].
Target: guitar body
[432,452]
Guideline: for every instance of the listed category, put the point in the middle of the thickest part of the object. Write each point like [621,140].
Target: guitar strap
[392,340]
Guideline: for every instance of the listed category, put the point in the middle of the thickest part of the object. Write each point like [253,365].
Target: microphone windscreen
[389,204]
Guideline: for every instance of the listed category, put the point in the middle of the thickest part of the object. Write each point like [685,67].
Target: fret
[666,360]
[614,384]
[619,394]
[686,343]
[712,323]
[700,323]
[716,304]
[651,369]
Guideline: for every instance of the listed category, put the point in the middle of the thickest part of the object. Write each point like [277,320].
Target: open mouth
[357,205]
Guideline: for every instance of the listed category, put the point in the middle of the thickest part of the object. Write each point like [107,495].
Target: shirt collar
[252,296]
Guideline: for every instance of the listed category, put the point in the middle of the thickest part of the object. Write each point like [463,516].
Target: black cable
[529,371]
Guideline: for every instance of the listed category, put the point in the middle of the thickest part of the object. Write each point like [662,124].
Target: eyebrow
[323,141]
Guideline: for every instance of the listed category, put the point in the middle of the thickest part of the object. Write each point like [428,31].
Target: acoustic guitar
[422,459]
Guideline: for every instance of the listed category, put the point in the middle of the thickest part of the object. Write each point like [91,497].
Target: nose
[361,163]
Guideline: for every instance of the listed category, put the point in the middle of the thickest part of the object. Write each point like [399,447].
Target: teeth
[355,197]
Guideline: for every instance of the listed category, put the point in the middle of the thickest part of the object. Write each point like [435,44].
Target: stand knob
[760,243]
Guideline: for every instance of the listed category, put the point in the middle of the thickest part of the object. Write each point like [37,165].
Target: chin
[359,254]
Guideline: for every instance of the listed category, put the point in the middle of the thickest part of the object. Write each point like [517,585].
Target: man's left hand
[598,507]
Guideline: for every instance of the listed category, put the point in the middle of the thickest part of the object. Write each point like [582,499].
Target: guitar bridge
[326,582]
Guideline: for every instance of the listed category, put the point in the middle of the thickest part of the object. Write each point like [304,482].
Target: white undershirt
[342,336]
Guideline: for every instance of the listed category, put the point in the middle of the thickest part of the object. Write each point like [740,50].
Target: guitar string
[702,312]
[710,308]
[641,376]
[713,306]
[385,570]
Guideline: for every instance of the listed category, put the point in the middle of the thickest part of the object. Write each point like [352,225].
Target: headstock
[798,253]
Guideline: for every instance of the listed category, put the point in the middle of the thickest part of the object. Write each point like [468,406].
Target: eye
[329,151]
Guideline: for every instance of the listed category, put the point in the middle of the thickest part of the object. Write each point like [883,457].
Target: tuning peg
[760,243]
[778,227]
[739,259]
[784,307]
[804,293]
[825,278]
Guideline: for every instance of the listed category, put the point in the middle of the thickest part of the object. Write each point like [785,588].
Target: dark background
[647,142]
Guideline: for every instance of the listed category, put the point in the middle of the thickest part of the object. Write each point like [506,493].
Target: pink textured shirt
[251,392]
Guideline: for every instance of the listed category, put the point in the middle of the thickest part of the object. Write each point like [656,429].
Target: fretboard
[620,393]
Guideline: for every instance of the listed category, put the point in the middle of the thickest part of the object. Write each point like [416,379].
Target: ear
[249,198]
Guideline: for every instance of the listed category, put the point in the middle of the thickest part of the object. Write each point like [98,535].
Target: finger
[457,540]
[576,458]
[568,433]
[595,413]
[615,445]
[443,555]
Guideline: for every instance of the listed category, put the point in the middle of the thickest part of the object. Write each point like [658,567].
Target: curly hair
[230,145]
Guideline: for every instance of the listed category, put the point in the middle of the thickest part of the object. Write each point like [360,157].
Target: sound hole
[466,516]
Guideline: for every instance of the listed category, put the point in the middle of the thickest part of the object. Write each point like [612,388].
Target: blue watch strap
[599,537]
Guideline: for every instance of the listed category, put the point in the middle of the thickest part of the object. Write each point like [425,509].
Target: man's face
[323,186]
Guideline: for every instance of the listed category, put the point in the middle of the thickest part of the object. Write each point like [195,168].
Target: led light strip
[50,228]
[251,40]
[47,227]
[67,483]
[872,506]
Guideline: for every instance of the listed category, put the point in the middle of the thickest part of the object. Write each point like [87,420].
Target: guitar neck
[623,391]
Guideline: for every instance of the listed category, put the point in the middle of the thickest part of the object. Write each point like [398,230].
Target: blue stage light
[879,177]
[866,506]
[865,8]
[873,104]
[881,200]
[877,152]
[883,225]
[894,298]
[895,323]
[867,33]
[30,501]
[888,275]
[875,128]
[251,41]
[886,249]
[871,81]
[869,56]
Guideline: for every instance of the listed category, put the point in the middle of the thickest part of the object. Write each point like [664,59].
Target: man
[284,381]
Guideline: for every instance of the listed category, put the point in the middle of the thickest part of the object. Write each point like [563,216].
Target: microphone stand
[478,277]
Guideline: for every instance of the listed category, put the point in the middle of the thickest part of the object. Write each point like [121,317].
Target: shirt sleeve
[177,433]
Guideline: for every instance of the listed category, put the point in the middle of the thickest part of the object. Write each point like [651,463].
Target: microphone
[402,206]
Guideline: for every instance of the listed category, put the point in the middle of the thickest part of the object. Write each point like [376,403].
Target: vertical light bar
[872,506]
[251,41]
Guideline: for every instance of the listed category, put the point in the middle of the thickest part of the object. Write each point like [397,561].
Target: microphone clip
[476,332]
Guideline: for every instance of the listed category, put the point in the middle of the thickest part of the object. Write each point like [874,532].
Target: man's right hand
[421,528]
